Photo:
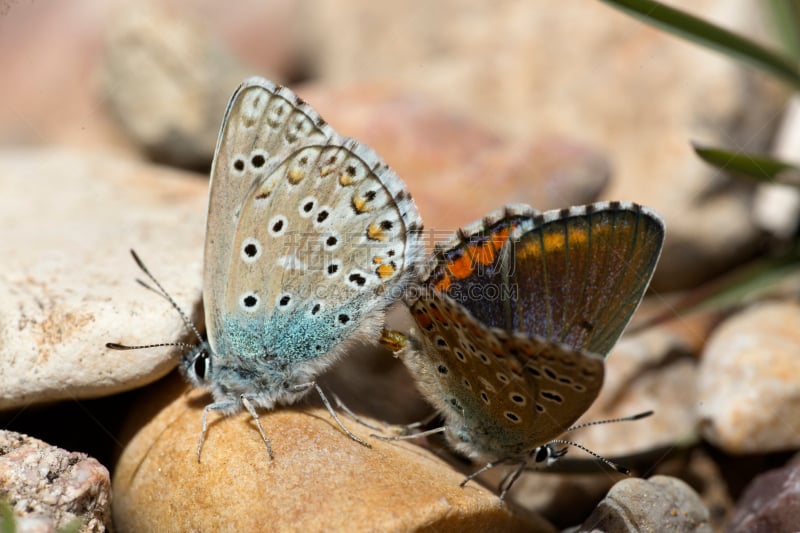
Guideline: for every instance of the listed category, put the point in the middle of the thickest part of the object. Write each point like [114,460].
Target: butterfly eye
[548,454]
[543,453]
[201,366]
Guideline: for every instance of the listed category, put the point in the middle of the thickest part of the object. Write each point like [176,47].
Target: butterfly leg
[407,429]
[404,432]
[354,417]
[217,406]
[252,411]
[511,478]
[484,468]
[336,418]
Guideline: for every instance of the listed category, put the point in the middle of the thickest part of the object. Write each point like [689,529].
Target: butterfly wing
[322,237]
[262,121]
[467,265]
[580,273]
[574,275]
[501,394]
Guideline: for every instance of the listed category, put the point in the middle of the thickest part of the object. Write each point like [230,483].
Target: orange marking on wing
[375,233]
[581,236]
[531,249]
[385,270]
[514,366]
[296,175]
[424,321]
[360,204]
[436,314]
[443,284]
[527,351]
[500,237]
[460,268]
[483,253]
[555,242]
[448,316]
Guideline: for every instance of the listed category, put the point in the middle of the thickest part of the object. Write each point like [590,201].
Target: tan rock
[67,280]
[749,378]
[320,480]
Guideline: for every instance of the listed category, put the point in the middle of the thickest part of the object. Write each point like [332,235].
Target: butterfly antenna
[186,321]
[117,346]
[637,416]
[611,464]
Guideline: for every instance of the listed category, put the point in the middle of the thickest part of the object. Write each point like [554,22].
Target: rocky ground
[108,120]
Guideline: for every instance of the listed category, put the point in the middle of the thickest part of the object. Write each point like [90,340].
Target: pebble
[748,380]
[48,487]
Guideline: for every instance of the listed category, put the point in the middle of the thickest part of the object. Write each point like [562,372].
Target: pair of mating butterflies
[310,237]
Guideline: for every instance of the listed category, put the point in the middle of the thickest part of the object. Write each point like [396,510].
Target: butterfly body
[515,314]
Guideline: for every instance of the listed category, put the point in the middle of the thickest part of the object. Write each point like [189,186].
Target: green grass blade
[8,524]
[710,35]
[73,526]
[756,279]
[785,15]
[753,166]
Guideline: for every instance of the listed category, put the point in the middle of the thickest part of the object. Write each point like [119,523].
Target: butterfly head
[196,366]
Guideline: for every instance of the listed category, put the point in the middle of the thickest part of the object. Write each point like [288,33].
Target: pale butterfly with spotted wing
[309,238]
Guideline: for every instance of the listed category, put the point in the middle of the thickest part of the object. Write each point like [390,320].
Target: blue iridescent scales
[515,314]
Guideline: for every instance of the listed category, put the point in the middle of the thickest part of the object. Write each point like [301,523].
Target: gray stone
[770,503]
[50,488]
[660,503]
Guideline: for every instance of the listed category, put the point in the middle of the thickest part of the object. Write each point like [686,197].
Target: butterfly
[514,317]
[309,238]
